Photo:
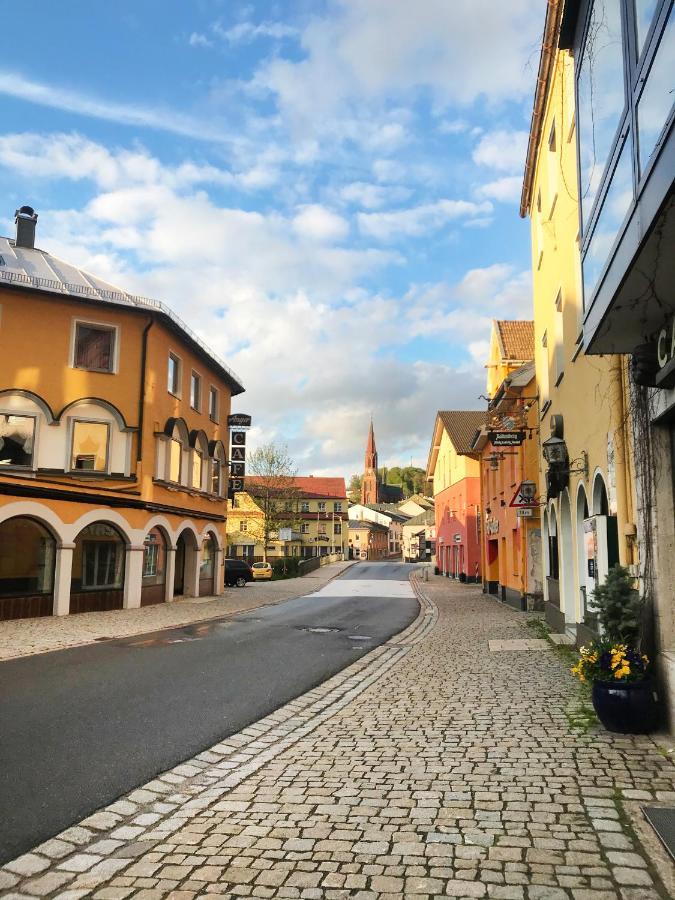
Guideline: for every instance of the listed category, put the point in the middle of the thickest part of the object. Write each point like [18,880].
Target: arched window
[199,462]
[217,475]
[154,568]
[173,449]
[27,554]
[98,569]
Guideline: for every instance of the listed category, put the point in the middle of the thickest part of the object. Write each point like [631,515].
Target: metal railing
[94,293]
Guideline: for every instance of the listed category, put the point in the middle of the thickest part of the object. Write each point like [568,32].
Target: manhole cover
[662,820]
[321,629]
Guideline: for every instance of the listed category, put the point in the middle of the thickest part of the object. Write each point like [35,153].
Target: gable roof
[428,517]
[516,338]
[308,486]
[461,426]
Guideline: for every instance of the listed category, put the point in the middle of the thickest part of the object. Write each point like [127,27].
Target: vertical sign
[238,423]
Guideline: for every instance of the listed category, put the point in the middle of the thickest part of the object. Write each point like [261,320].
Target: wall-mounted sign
[525,495]
[492,526]
[665,355]
[238,438]
[524,512]
[237,469]
[239,420]
[457,538]
[238,454]
[506,438]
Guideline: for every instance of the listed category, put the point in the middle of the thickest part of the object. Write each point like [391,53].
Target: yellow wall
[451,466]
[586,391]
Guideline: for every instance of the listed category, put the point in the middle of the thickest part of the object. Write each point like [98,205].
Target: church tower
[370,482]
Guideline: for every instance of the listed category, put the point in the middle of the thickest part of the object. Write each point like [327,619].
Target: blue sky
[327,191]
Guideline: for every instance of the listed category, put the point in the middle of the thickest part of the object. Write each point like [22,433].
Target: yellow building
[508,444]
[113,443]
[314,524]
[587,523]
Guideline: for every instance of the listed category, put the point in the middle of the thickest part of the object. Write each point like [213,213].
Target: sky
[325,190]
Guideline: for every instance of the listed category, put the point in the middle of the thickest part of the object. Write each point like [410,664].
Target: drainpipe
[141,395]
[623,508]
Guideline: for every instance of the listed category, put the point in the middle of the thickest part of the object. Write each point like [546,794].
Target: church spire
[371,450]
[370,492]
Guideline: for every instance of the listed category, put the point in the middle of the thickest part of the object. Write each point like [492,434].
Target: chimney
[26,220]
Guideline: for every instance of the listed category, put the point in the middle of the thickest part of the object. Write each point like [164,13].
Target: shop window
[17,440]
[102,563]
[27,555]
[94,348]
[89,446]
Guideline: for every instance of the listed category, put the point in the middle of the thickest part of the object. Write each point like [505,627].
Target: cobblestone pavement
[431,768]
[23,637]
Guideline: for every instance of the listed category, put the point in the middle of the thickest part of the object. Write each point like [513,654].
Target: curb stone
[149,814]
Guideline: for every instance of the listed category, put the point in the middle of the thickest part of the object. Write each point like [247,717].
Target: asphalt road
[81,727]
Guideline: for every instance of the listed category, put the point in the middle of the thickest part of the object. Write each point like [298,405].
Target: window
[543,372]
[656,102]
[322,505]
[304,506]
[644,13]
[337,507]
[337,529]
[213,404]
[304,528]
[322,528]
[90,446]
[150,557]
[94,347]
[601,98]
[195,391]
[175,460]
[559,353]
[243,525]
[17,440]
[215,476]
[197,468]
[103,564]
[174,375]
[552,167]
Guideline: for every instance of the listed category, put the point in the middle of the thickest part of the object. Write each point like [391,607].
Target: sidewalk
[433,767]
[23,637]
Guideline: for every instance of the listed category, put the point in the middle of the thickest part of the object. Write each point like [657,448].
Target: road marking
[365,587]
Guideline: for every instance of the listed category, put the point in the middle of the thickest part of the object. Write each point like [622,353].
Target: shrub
[285,567]
[618,607]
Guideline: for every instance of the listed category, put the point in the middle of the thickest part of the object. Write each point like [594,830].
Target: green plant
[285,567]
[605,660]
[618,608]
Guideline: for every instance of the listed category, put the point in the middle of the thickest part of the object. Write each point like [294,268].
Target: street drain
[321,629]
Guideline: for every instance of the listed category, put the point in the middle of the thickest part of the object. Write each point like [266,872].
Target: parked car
[261,570]
[237,572]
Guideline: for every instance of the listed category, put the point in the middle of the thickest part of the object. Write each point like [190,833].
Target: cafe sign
[665,356]
[239,420]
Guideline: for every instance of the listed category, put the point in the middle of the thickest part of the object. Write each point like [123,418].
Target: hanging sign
[238,454]
[237,469]
[238,438]
[506,438]
[239,420]
[665,355]
[235,486]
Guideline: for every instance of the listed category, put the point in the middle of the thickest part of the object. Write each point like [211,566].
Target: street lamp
[555,451]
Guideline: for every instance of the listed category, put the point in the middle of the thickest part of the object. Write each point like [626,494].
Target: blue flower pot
[631,708]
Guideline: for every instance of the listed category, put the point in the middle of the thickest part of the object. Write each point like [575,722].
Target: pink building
[454,471]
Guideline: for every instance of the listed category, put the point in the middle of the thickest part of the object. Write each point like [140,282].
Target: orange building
[508,446]
[113,443]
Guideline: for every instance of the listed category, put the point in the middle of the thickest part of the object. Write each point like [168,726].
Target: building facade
[509,457]
[453,471]
[113,443]
[315,523]
[625,169]
[368,540]
[419,537]
[588,523]
[384,514]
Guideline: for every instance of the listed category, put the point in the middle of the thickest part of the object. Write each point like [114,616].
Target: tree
[271,481]
[411,478]
[354,489]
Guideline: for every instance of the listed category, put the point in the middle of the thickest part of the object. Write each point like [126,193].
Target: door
[179,576]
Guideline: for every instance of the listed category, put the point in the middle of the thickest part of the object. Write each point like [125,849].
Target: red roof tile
[517,338]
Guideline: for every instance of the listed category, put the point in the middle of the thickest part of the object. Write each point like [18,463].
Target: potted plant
[624,695]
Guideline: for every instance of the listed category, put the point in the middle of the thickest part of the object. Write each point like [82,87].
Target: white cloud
[453,126]
[15,85]
[372,196]
[502,150]
[199,40]
[418,220]
[506,189]
[365,53]
[245,32]
[320,224]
